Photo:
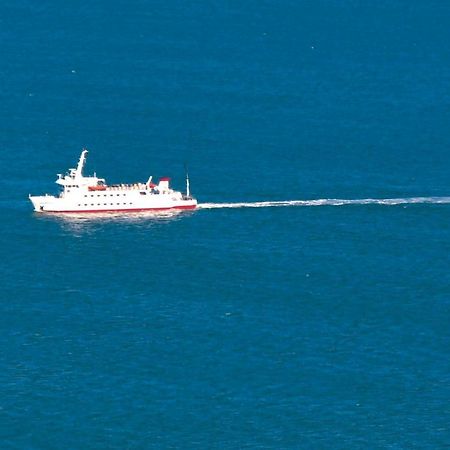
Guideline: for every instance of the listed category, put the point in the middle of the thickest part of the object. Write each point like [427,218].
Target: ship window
[143,193]
[111,195]
[85,195]
[85,204]
[118,195]
[79,204]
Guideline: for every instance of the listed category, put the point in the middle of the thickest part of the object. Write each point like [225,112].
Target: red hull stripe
[122,210]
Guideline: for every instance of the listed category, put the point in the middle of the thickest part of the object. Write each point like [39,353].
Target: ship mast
[188,192]
[81,162]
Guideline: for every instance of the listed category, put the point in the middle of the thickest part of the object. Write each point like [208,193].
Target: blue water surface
[316,327]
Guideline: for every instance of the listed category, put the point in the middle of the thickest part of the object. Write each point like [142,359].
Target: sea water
[306,303]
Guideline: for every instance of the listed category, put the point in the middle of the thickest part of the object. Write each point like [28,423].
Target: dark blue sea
[315,325]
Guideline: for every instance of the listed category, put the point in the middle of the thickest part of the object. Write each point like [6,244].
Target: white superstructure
[83,194]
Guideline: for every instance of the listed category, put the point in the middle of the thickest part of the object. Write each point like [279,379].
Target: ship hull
[134,210]
[56,205]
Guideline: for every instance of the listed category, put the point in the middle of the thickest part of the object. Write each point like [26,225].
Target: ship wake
[329,202]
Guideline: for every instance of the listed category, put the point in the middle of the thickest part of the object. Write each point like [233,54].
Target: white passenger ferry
[90,194]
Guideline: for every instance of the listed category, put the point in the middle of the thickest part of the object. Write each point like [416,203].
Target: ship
[90,194]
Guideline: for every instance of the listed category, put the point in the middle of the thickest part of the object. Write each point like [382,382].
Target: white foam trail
[329,202]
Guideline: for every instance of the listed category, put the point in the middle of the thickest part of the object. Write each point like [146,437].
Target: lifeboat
[97,188]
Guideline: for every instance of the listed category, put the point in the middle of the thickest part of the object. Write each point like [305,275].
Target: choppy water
[257,321]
